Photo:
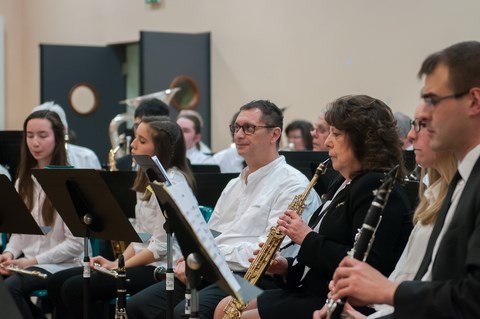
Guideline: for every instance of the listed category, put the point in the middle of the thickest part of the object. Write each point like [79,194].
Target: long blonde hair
[441,172]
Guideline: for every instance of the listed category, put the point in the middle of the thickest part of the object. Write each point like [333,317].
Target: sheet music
[162,170]
[187,203]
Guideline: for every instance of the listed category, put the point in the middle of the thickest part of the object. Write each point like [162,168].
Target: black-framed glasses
[248,129]
[418,124]
[433,100]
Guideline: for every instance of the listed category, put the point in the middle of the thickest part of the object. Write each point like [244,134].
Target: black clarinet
[366,235]
[121,304]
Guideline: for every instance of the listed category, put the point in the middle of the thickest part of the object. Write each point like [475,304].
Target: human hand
[293,226]
[278,265]
[320,314]
[103,262]
[6,256]
[348,313]
[22,262]
[180,271]
[255,252]
[362,284]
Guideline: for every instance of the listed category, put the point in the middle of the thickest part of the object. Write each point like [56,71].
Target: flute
[103,270]
[19,270]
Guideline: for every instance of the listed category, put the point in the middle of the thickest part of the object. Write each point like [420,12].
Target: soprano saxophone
[257,268]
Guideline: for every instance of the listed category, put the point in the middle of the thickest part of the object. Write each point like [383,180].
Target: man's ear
[277,134]
[475,104]
[198,138]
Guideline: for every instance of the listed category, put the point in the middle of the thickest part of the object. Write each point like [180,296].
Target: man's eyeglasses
[248,129]
[433,100]
[418,124]
[317,130]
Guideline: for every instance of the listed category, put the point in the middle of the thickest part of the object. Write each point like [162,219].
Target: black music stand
[14,214]
[89,209]
[156,174]
[198,245]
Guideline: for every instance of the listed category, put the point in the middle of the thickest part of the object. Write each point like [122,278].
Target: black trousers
[65,288]
[21,286]
[151,302]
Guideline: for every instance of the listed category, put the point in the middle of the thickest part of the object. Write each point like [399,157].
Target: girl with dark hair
[154,136]
[43,144]
[363,145]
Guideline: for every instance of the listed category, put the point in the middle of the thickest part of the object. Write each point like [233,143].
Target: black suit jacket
[323,251]
[455,288]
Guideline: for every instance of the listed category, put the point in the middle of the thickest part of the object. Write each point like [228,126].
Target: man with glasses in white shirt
[248,207]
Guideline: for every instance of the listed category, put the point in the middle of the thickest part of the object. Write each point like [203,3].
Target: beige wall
[300,54]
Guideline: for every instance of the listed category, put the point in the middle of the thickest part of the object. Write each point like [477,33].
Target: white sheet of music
[187,203]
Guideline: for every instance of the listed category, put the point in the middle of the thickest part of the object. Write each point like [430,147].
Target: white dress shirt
[150,219]
[465,167]
[245,212]
[195,156]
[4,171]
[412,256]
[229,160]
[82,157]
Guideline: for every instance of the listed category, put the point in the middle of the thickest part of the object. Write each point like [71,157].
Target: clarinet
[366,235]
[121,304]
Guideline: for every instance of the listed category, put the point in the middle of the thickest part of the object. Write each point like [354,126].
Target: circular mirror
[187,97]
[83,98]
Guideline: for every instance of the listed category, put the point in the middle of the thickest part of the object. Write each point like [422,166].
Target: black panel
[10,145]
[64,66]
[164,56]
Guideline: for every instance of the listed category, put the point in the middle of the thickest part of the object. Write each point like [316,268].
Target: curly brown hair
[370,129]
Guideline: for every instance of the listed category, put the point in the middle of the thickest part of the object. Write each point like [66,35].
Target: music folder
[152,168]
[14,214]
[194,236]
[78,192]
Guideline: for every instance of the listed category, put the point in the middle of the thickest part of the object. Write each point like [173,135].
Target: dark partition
[210,186]
[63,67]
[10,142]
[165,56]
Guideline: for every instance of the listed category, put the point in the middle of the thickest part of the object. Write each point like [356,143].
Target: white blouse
[150,219]
[57,250]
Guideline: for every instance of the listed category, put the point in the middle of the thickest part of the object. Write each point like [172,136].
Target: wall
[300,54]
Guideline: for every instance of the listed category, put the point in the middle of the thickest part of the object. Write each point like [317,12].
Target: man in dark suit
[447,284]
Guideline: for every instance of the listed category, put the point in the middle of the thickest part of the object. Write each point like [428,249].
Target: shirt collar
[465,167]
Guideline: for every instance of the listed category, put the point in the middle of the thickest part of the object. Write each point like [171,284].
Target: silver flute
[19,270]
[103,270]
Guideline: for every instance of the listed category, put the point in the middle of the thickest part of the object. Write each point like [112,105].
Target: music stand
[211,185]
[198,245]
[14,214]
[88,207]
[155,172]
[302,160]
